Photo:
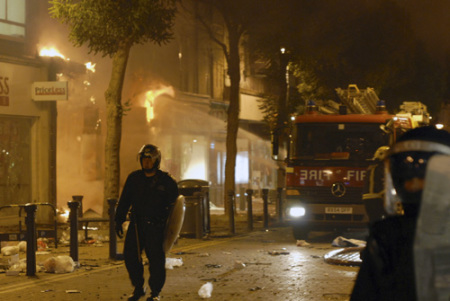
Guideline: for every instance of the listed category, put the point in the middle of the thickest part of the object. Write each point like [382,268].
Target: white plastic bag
[22,246]
[206,290]
[10,250]
[59,264]
[173,262]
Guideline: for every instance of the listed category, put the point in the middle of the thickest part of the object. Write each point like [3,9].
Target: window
[12,18]
[329,142]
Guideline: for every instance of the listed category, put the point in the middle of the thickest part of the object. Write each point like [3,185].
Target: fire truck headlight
[297,212]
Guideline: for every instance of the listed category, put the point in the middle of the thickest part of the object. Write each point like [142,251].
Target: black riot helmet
[408,160]
[150,151]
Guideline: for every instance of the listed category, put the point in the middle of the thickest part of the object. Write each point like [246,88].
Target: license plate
[339,210]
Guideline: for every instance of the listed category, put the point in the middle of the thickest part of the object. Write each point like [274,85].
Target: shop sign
[4,91]
[41,91]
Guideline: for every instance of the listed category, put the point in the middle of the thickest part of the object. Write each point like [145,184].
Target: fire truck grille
[323,195]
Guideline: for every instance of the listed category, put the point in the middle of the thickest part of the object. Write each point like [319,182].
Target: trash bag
[19,266]
[10,250]
[59,264]
[206,290]
[22,246]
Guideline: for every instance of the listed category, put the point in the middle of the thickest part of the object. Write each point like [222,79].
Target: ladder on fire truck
[359,101]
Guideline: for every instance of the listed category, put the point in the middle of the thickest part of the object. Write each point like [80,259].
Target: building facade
[27,126]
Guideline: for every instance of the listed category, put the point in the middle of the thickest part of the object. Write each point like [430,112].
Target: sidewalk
[94,252]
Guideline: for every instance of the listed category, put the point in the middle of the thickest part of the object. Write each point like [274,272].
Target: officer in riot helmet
[148,195]
[150,158]
[387,269]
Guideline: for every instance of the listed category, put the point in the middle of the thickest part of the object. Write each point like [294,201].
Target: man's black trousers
[151,240]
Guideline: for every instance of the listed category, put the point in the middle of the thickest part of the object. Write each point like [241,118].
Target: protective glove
[119,230]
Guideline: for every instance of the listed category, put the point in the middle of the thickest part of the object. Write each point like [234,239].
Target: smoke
[192,141]
[430,21]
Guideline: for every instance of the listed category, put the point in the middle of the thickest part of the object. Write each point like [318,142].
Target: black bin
[197,216]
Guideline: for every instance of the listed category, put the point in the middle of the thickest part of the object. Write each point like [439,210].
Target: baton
[137,238]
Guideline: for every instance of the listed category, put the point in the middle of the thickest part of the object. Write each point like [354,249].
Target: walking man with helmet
[148,194]
[387,271]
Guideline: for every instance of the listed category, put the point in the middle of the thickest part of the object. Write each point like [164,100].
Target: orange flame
[150,97]
[52,52]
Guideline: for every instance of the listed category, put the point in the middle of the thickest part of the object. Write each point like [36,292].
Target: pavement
[95,266]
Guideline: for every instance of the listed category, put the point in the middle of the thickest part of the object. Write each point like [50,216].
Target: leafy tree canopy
[105,25]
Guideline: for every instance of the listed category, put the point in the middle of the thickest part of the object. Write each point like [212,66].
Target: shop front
[27,133]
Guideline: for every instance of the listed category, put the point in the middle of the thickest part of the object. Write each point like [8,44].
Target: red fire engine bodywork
[325,183]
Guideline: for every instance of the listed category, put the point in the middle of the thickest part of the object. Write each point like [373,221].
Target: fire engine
[326,164]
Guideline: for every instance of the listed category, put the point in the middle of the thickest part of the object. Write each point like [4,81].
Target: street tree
[236,16]
[273,42]
[111,28]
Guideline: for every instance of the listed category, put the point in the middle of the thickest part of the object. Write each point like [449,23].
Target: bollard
[249,193]
[73,216]
[242,199]
[112,229]
[30,221]
[231,211]
[198,214]
[265,195]
[280,204]
[79,199]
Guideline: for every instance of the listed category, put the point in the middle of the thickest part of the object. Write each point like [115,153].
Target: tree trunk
[114,111]
[233,115]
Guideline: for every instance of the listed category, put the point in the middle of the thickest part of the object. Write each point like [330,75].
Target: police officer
[387,269]
[149,193]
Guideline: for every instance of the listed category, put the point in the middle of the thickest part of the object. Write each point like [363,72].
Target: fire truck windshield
[331,141]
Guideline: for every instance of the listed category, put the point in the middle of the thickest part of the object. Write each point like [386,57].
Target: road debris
[303,243]
[254,289]
[258,263]
[276,252]
[10,250]
[59,264]
[239,265]
[173,262]
[210,265]
[345,242]
[205,290]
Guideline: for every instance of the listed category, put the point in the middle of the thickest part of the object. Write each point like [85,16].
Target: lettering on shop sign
[49,91]
[328,175]
[4,91]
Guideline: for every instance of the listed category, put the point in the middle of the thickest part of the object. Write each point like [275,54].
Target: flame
[149,102]
[150,97]
[90,66]
[63,215]
[52,52]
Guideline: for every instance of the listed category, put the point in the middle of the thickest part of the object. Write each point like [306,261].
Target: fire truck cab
[326,167]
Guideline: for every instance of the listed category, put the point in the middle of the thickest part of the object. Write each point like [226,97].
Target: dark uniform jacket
[387,269]
[150,198]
